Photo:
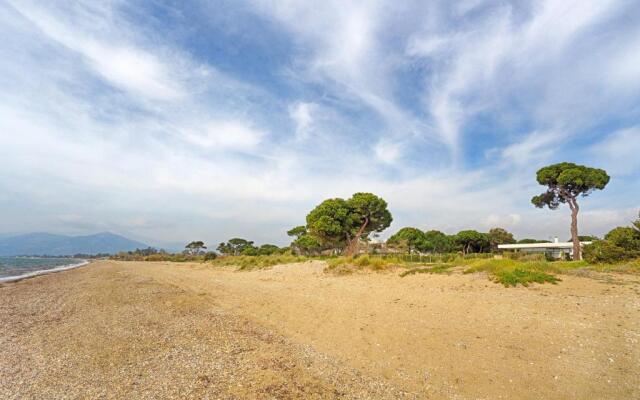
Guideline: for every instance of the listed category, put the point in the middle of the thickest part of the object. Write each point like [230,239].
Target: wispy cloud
[446,110]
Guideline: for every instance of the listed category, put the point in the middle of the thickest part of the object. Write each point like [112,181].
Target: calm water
[19,266]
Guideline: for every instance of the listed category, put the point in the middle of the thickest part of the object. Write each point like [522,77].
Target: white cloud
[181,149]
[387,151]
[302,115]
[125,66]
[619,152]
[226,135]
[537,146]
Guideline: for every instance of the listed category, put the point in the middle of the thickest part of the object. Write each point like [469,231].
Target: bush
[624,237]
[511,273]
[605,251]
[210,256]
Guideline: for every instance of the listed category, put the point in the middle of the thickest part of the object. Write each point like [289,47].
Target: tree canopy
[472,241]
[234,246]
[565,182]
[341,224]
[411,239]
[195,247]
[499,236]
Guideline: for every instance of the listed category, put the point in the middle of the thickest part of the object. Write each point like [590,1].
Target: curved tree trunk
[574,230]
[352,246]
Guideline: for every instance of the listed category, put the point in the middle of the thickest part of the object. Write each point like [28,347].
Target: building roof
[555,245]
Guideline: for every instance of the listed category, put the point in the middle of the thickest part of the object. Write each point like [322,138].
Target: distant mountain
[60,245]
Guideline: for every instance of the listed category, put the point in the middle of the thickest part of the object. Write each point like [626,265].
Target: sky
[172,121]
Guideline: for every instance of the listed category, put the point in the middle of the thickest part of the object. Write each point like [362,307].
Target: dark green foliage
[529,241]
[249,251]
[625,237]
[438,242]
[330,222]
[566,181]
[523,277]
[341,224]
[604,251]
[268,249]
[409,239]
[298,231]
[472,241]
[210,255]
[498,236]
[195,247]
[307,244]
[234,246]
[620,244]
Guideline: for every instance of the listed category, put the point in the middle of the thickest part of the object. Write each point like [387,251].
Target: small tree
[268,249]
[499,236]
[438,242]
[297,232]
[195,247]
[307,244]
[565,182]
[342,224]
[234,246]
[412,239]
[472,241]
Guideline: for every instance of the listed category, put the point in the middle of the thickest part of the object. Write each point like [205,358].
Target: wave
[42,272]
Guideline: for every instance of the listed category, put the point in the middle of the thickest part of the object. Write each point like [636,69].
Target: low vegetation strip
[435,269]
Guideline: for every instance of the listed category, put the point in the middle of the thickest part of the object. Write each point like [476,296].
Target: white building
[554,249]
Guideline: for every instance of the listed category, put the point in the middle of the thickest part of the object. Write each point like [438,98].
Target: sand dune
[160,330]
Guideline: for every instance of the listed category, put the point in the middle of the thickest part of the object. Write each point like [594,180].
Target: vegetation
[340,225]
[620,244]
[195,247]
[245,263]
[409,239]
[234,246]
[435,269]
[499,236]
[565,182]
[472,241]
[511,273]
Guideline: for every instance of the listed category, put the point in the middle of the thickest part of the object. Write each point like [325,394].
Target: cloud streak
[444,110]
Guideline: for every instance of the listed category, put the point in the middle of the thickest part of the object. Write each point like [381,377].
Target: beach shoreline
[16,278]
[190,330]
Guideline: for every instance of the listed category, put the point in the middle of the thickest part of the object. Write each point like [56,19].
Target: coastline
[16,278]
[192,331]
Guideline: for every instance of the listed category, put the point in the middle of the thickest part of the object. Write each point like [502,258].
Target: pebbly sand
[128,330]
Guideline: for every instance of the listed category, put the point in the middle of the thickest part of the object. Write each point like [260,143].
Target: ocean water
[20,267]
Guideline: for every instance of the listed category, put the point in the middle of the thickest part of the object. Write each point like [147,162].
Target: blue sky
[173,121]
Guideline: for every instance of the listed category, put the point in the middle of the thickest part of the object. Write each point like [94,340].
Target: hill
[59,245]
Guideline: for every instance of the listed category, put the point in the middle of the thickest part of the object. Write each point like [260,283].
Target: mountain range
[60,245]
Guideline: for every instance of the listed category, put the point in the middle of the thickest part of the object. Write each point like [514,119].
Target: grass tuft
[436,269]
[248,263]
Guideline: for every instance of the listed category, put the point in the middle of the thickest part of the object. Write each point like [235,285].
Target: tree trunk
[352,246]
[574,230]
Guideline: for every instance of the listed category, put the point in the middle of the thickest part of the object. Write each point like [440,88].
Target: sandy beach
[115,330]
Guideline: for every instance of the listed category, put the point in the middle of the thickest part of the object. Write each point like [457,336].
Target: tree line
[343,226]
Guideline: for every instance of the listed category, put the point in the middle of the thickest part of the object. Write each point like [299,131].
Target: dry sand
[161,330]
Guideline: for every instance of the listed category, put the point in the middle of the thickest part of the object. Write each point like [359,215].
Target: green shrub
[511,272]
[624,237]
[511,277]
[605,251]
[210,256]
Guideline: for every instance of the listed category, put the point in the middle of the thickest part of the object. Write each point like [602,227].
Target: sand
[162,330]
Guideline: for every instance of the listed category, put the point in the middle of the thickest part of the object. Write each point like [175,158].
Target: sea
[12,268]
